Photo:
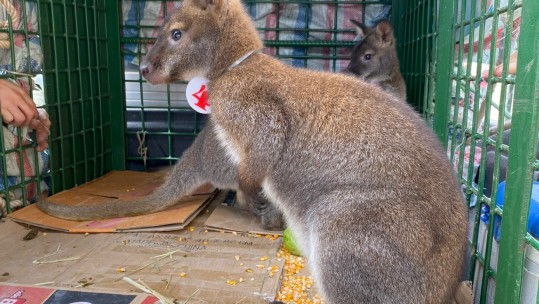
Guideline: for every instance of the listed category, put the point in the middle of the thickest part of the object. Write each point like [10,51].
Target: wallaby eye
[368,56]
[176,35]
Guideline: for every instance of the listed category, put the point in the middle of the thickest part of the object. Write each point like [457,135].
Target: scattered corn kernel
[241,280]
[272,237]
[260,266]
[241,264]
[206,231]
[86,234]
[205,242]
[234,233]
[183,274]
[249,270]
[231,282]
[191,228]
[44,233]
[125,242]
[273,270]
[120,269]
[264,258]
[294,288]
[237,257]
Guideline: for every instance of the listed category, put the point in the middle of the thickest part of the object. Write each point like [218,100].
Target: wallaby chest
[228,143]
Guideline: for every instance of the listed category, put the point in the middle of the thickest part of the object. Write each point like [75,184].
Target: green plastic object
[289,242]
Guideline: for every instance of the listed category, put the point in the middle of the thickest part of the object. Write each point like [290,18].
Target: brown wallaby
[205,161]
[374,58]
[362,182]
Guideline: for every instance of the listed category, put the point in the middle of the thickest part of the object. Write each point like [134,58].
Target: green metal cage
[457,57]
[22,168]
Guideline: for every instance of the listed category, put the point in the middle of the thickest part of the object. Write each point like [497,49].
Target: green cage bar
[416,45]
[444,72]
[521,158]
[82,76]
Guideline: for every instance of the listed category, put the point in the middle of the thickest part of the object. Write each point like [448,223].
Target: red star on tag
[202,98]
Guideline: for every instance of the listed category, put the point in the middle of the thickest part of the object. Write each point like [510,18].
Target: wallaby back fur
[362,182]
[374,58]
[205,161]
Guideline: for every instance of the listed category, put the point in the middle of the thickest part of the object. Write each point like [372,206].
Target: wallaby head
[189,44]
[374,57]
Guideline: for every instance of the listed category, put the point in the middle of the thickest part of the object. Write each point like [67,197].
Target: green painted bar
[444,70]
[115,64]
[103,89]
[521,158]
[498,143]
[83,89]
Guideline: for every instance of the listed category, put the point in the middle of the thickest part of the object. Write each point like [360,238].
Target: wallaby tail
[165,196]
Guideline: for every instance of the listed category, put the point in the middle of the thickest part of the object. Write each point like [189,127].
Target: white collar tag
[197,95]
[197,89]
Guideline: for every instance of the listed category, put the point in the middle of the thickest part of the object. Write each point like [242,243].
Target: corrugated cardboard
[120,185]
[233,218]
[210,260]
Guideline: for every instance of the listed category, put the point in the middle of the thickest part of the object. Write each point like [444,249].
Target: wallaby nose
[144,70]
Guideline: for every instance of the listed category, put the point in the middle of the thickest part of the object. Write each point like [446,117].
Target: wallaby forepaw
[273,220]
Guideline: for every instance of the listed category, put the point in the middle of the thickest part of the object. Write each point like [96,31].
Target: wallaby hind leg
[380,253]
[271,217]
[372,274]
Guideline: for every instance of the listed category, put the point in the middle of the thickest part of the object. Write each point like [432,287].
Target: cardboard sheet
[124,186]
[211,262]
[233,218]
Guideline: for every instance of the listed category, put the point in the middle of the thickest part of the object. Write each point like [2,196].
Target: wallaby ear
[214,5]
[384,30]
[361,29]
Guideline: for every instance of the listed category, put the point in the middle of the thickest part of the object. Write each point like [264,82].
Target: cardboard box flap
[115,186]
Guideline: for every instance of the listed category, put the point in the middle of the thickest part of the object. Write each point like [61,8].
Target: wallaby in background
[361,180]
[374,58]
[205,161]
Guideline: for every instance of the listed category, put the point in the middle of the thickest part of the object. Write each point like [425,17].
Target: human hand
[42,126]
[498,70]
[20,110]
[17,107]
